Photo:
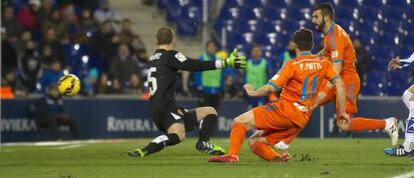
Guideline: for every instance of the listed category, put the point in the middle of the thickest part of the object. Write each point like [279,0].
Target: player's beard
[319,28]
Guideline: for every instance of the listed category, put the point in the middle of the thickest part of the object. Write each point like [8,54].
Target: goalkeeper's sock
[237,134]
[206,127]
[362,124]
[263,151]
[160,143]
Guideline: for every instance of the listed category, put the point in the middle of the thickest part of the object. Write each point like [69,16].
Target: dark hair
[211,42]
[303,39]
[164,36]
[326,10]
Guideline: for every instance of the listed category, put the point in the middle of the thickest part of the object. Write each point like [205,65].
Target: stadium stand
[383,27]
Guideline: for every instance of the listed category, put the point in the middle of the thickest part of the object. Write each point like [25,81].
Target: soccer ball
[69,85]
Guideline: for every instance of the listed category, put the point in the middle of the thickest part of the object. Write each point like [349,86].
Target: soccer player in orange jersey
[339,50]
[301,78]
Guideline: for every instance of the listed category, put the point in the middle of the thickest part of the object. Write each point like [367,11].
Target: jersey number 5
[152,81]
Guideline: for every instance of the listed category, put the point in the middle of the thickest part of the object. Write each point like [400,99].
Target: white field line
[69,147]
[405,175]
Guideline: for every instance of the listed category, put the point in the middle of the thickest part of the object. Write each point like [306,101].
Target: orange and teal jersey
[301,79]
[339,48]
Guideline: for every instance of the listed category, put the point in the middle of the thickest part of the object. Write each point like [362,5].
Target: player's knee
[343,126]
[181,136]
[252,141]
[210,111]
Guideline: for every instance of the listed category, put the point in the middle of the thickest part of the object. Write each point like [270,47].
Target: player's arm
[397,63]
[275,84]
[337,57]
[339,84]
[184,63]
[262,91]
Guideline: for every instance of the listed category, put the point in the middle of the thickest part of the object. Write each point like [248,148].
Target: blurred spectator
[27,16]
[257,74]
[29,65]
[46,55]
[13,84]
[8,55]
[45,11]
[104,42]
[49,113]
[134,86]
[11,25]
[364,60]
[229,90]
[105,13]
[209,83]
[90,82]
[25,37]
[116,86]
[103,86]
[288,54]
[123,66]
[137,44]
[142,60]
[56,22]
[87,22]
[50,75]
[50,39]
[126,33]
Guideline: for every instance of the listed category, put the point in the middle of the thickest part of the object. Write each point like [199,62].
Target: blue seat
[229,13]
[270,14]
[251,13]
[277,4]
[346,3]
[256,3]
[375,83]
[374,4]
[247,26]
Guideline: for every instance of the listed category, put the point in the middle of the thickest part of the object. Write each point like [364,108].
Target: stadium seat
[278,3]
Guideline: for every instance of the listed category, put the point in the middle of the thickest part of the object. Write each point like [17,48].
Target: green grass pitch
[312,158]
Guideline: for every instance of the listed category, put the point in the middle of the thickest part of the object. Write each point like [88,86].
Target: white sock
[409,130]
[406,98]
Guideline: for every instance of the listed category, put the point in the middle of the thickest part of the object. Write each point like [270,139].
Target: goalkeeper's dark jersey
[163,66]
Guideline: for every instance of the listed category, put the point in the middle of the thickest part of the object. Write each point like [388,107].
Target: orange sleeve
[278,80]
[338,48]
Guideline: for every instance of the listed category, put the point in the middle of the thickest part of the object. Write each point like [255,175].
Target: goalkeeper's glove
[235,61]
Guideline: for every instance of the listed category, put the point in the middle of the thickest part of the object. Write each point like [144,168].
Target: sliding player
[300,79]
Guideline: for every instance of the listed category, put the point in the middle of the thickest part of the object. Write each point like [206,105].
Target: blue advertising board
[130,118]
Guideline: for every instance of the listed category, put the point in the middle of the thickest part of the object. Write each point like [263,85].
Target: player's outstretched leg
[241,124]
[176,134]
[207,120]
[407,148]
[389,125]
[262,149]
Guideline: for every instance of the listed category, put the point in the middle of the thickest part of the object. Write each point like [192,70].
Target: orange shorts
[276,127]
[352,92]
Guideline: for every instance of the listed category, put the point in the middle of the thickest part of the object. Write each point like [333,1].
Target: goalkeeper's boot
[398,151]
[136,153]
[209,148]
[283,157]
[224,158]
[391,128]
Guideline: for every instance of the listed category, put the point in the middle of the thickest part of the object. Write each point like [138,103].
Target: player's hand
[394,64]
[249,89]
[235,60]
[344,117]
